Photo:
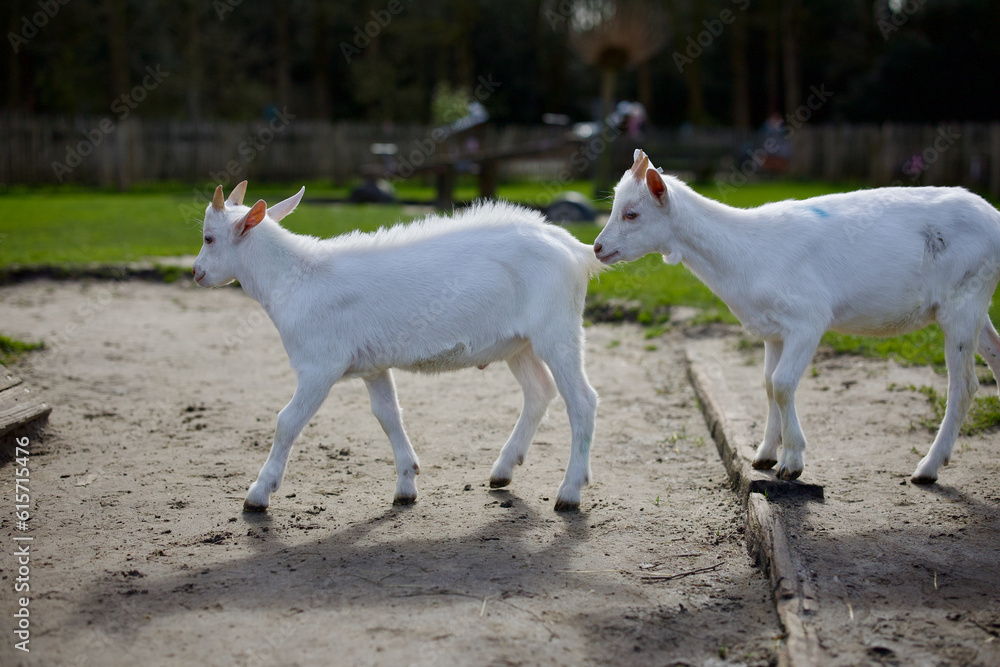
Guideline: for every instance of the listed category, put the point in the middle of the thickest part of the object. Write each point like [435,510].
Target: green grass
[984,415]
[65,226]
[79,228]
[11,350]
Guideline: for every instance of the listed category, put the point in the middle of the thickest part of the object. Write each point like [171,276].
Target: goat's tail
[587,260]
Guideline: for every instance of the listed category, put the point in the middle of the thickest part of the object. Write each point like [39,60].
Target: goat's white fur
[873,262]
[495,282]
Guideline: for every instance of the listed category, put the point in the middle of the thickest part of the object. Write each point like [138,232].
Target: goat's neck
[272,265]
[716,243]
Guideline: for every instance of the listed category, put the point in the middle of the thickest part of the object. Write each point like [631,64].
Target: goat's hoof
[249,507]
[764,464]
[567,506]
[787,474]
[923,479]
[499,482]
[404,500]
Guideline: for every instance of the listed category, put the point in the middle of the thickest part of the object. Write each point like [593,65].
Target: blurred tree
[790,10]
[193,58]
[282,58]
[614,35]
[884,60]
[321,59]
[117,58]
[741,74]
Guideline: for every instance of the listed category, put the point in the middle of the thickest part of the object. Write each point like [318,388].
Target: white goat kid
[874,262]
[493,283]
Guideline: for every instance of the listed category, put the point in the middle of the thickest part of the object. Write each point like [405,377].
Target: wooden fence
[118,153]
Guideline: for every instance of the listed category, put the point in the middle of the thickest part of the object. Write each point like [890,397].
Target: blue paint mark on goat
[820,212]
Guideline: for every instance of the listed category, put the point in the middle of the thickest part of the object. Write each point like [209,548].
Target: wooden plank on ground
[8,379]
[20,407]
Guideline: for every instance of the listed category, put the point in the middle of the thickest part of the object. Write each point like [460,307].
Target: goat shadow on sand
[514,556]
[947,564]
[344,567]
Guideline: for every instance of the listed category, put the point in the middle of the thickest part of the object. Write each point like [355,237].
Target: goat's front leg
[385,407]
[310,393]
[795,356]
[565,361]
[767,452]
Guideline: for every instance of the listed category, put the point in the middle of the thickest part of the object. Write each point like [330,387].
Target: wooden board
[20,407]
[8,379]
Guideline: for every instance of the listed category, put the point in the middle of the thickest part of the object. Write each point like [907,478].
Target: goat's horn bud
[640,165]
[217,202]
[236,196]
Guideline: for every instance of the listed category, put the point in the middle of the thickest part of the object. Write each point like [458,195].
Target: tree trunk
[773,70]
[193,59]
[282,54]
[13,98]
[602,179]
[741,78]
[790,55]
[321,58]
[644,78]
[117,49]
[689,20]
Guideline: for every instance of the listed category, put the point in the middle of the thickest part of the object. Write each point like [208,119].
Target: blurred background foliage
[885,60]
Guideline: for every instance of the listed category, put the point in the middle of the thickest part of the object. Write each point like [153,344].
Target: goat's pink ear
[283,208]
[656,186]
[252,218]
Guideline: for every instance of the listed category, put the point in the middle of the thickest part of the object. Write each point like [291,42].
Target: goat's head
[228,227]
[639,223]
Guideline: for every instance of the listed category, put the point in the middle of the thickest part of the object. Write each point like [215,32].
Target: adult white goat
[493,283]
[874,262]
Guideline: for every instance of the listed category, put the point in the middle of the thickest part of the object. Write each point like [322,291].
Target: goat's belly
[888,324]
[461,356]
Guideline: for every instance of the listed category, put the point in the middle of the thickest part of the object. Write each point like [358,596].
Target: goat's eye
[209,240]
[630,215]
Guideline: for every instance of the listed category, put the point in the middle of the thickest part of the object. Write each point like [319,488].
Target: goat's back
[465,290]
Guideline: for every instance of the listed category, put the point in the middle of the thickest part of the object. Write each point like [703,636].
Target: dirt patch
[894,573]
[165,399]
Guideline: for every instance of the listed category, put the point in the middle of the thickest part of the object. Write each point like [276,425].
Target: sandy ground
[165,398]
[895,573]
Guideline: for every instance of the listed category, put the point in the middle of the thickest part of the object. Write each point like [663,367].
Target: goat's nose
[598,248]
[193,271]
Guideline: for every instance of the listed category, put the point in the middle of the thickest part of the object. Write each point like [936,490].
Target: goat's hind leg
[539,390]
[385,407]
[962,385]
[989,349]
[310,393]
